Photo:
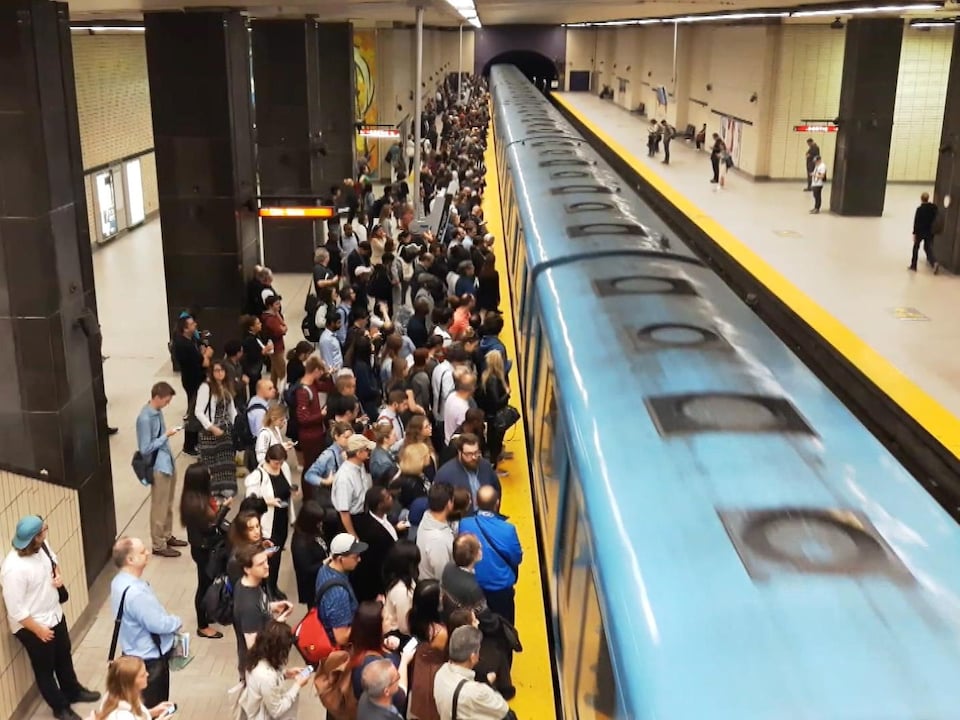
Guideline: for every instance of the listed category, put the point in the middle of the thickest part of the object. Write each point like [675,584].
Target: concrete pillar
[338,103]
[287,81]
[948,168]
[868,92]
[53,419]
[199,69]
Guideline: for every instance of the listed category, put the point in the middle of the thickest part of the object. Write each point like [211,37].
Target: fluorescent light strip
[731,16]
[930,24]
[107,28]
[841,11]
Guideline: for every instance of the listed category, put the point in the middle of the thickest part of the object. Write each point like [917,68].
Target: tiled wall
[808,86]
[113,106]
[918,114]
[21,496]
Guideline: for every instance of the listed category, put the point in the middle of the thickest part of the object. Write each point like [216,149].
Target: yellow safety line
[923,408]
[531,668]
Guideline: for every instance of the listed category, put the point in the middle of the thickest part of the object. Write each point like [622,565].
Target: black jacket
[308,557]
[367,578]
[924,219]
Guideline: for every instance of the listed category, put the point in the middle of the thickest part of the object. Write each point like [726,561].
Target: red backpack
[310,636]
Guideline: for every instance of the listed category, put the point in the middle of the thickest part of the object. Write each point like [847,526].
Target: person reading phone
[252,609]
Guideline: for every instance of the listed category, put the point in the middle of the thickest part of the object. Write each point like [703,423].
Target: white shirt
[203,399]
[819,175]
[350,485]
[396,609]
[265,438]
[28,590]
[124,711]
[360,231]
[454,413]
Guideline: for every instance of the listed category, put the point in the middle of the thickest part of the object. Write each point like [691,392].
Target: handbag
[506,418]
[62,591]
[143,466]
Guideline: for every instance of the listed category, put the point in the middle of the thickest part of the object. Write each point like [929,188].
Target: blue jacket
[488,343]
[453,473]
[501,549]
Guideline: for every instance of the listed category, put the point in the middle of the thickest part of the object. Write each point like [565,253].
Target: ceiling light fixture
[728,17]
[863,10]
[932,24]
[107,28]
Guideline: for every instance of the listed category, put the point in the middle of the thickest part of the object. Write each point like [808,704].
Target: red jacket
[273,329]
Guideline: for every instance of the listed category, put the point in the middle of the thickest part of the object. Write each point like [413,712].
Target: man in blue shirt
[329,344]
[153,441]
[338,605]
[147,631]
[502,554]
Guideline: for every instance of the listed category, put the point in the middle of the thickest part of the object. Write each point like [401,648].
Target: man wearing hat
[31,580]
[337,604]
[352,481]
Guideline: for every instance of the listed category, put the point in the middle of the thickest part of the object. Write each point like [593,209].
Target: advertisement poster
[365,64]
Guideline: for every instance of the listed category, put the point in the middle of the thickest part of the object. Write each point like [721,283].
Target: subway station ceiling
[441,13]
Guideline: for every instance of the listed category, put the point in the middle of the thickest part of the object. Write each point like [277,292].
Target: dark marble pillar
[287,78]
[947,188]
[199,69]
[338,103]
[868,92]
[53,413]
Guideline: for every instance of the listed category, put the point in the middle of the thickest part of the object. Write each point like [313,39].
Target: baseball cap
[358,442]
[27,529]
[346,544]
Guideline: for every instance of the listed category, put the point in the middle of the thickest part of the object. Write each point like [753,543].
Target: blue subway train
[723,539]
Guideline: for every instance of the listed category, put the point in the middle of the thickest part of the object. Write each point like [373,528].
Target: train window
[530,351]
[596,686]
[546,437]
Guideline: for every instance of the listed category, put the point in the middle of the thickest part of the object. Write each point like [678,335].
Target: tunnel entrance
[538,68]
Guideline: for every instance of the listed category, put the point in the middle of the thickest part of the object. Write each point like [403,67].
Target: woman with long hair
[319,476]
[427,626]
[368,383]
[274,426]
[401,568]
[418,380]
[309,548]
[494,395]
[126,681]
[244,530]
[271,481]
[264,695]
[412,484]
[488,285]
[368,644]
[419,429]
[388,356]
[216,412]
[203,517]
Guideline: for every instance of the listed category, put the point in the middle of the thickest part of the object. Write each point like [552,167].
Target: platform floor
[854,268]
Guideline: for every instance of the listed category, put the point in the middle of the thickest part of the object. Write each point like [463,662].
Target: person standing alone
[813,154]
[667,132]
[817,180]
[924,221]
[153,441]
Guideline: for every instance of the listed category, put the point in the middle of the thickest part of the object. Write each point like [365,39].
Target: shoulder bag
[456,698]
[143,466]
[62,591]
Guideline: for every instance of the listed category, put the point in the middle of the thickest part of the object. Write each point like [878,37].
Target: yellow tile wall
[918,114]
[113,107]
[21,496]
[807,86]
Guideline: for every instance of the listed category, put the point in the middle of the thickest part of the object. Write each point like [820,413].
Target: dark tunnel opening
[538,68]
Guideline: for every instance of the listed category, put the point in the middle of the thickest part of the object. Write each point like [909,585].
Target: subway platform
[847,277]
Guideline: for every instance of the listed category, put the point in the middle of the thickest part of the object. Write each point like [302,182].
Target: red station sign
[816,128]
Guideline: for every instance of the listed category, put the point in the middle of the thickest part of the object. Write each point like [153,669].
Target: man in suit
[924,220]
[376,530]
[813,152]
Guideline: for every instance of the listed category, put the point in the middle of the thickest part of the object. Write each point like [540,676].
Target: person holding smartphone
[252,609]
[264,694]
[126,681]
[271,481]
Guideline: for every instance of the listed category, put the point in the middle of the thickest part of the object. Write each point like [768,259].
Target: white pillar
[418,117]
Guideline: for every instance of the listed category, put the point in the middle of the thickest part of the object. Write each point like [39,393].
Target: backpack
[380,286]
[243,439]
[310,636]
[309,325]
[218,601]
[290,400]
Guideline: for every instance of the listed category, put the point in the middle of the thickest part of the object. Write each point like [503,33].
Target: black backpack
[290,400]
[309,325]
[243,439]
[218,601]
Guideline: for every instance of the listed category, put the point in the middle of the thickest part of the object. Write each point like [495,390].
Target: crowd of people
[396,405]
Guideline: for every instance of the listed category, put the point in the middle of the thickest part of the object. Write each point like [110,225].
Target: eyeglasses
[474,454]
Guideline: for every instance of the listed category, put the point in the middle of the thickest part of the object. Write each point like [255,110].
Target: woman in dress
[216,412]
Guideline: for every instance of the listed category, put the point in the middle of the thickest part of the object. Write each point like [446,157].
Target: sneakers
[67,714]
[87,696]
[166,552]
[176,542]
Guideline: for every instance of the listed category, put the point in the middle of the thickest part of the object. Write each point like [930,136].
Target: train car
[722,538]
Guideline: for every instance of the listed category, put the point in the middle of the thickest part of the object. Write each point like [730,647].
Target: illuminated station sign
[816,128]
[379,131]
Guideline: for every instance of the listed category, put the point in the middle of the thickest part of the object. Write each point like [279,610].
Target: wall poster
[365,64]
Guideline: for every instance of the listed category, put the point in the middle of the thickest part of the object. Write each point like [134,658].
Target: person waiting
[126,681]
[455,683]
[469,469]
[264,695]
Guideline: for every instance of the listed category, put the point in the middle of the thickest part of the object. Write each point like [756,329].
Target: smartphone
[171,709]
[178,428]
[410,646]
[272,549]
[283,504]
[306,672]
